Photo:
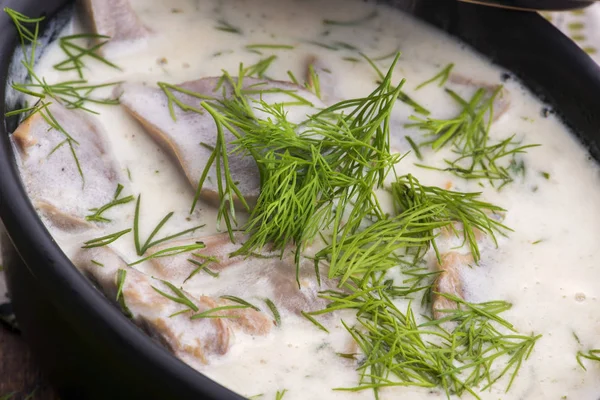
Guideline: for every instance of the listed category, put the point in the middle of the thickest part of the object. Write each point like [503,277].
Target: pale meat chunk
[49,169]
[114,18]
[190,137]
[448,282]
[502,100]
[264,275]
[194,340]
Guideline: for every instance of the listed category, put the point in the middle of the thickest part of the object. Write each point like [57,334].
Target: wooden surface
[19,374]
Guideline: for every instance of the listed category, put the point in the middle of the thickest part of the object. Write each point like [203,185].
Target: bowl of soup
[291,200]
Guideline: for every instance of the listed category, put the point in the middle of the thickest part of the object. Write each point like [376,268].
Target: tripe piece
[264,275]
[194,340]
[49,167]
[448,282]
[114,18]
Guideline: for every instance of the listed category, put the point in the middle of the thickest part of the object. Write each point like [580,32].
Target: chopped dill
[120,298]
[239,301]
[227,27]
[270,46]
[178,297]
[314,321]
[545,175]
[104,240]
[274,311]
[97,216]
[468,136]
[593,355]
[142,248]
[442,76]
[279,395]
[75,52]
[201,266]
[97,263]
[211,313]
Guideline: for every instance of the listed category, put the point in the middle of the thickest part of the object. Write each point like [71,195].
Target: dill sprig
[280,393]
[120,298]
[213,312]
[75,52]
[468,136]
[274,311]
[398,351]
[104,240]
[142,248]
[402,96]
[97,212]
[227,27]
[593,355]
[341,154]
[442,76]
[239,301]
[456,207]
[201,266]
[178,296]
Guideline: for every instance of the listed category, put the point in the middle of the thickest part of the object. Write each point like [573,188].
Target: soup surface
[458,125]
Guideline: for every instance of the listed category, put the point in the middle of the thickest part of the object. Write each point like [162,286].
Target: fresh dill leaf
[259,69]
[313,83]
[270,46]
[473,214]
[75,52]
[179,296]
[170,90]
[211,313]
[104,240]
[279,395]
[97,216]
[353,22]
[538,241]
[314,321]
[121,275]
[274,311]
[97,263]
[171,251]
[593,355]
[481,348]
[402,96]
[442,76]
[201,266]
[468,136]
[227,27]
[239,301]
[545,175]
[293,78]
[414,147]
[149,243]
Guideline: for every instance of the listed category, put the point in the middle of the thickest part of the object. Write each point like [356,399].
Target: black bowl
[91,351]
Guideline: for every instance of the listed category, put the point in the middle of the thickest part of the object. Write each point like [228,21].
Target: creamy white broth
[545,267]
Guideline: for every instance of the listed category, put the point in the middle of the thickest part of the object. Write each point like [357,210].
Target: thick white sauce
[553,284]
